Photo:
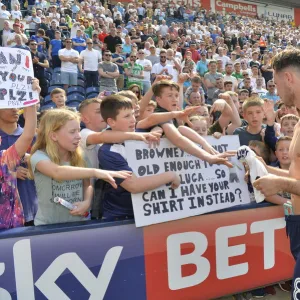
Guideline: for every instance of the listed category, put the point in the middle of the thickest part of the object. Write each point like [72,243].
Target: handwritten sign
[16,74]
[204,188]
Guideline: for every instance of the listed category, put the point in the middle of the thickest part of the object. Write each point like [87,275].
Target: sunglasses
[271,85]
[89,43]
[69,42]
[132,56]
[245,74]
[163,57]
[33,44]
[137,92]
[107,55]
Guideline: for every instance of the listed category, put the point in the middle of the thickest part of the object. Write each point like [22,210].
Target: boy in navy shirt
[117,111]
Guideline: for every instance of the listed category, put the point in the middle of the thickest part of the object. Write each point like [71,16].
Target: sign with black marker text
[16,74]
[204,188]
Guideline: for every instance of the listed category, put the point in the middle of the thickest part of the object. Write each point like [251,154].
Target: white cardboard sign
[204,188]
[16,74]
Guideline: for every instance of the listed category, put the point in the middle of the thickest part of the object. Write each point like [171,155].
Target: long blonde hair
[52,121]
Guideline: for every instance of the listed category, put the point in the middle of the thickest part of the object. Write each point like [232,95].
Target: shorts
[69,78]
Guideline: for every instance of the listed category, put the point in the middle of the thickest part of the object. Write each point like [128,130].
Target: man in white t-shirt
[173,61]
[162,68]
[4,14]
[15,13]
[33,21]
[90,58]
[225,59]
[146,63]
[69,61]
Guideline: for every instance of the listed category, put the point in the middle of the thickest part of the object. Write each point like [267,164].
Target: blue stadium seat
[56,79]
[57,70]
[55,86]
[80,75]
[47,100]
[47,106]
[91,90]
[80,82]
[92,95]
[73,103]
[75,97]
[76,89]
[48,75]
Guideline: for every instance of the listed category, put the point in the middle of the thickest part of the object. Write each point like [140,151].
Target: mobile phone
[288,208]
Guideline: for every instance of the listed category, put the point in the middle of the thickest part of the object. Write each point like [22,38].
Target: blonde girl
[58,169]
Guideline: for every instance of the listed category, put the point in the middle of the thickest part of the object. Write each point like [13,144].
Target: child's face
[169,99]
[282,152]
[200,126]
[148,111]
[59,100]
[91,116]
[254,116]
[243,96]
[196,86]
[287,127]
[125,121]
[68,136]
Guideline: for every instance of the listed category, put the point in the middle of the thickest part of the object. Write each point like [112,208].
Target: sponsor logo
[236,6]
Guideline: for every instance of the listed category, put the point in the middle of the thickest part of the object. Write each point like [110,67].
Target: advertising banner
[16,73]
[202,257]
[238,8]
[203,187]
[276,13]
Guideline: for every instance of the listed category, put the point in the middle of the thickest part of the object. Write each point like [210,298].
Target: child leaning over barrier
[11,211]
[58,169]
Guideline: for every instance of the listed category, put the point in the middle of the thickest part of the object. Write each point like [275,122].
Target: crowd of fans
[109,73]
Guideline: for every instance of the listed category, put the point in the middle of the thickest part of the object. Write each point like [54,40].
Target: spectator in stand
[15,198]
[79,43]
[16,13]
[195,54]
[40,62]
[33,21]
[54,47]
[88,64]
[220,85]
[51,32]
[61,164]
[19,44]
[108,72]
[229,77]
[237,72]
[202,64]
[153,57]
[162,68]
[259,89]
[11,39]
[266,68]
[271,94]
[134,71]
[103,34]
[119,60]
[59,97]
[69,62]
[147,67]
[5,33]
[4,14]
[210,80]
[112,40]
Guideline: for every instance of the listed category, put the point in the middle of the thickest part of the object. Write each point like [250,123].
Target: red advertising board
[297,16]
[217,254]
[238,8]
